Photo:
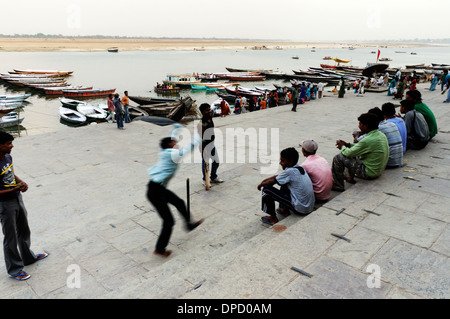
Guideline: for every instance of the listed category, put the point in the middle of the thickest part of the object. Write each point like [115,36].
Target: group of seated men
[380,143]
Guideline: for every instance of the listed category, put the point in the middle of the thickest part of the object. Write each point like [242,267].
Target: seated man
[296,192]
[394,139]
[416,96]
[318,169]
[388,110]
[366,159]
[416,126]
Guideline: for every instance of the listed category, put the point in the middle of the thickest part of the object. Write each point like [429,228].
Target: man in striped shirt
[394,139]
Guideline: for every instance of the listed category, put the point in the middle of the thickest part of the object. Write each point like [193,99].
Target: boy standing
[13,215]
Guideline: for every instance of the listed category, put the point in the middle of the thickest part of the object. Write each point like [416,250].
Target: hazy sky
[296,20]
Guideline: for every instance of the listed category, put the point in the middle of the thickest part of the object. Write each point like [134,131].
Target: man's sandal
[266,220]
[22,276]
[41,256]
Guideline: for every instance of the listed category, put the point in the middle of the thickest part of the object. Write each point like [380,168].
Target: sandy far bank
[77,44]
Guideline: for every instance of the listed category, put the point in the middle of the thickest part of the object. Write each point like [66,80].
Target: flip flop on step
[266,220]
[41,256]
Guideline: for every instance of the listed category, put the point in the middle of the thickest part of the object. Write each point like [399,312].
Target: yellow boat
[340,61]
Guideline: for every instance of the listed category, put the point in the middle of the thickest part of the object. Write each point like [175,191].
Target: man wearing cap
[318,169]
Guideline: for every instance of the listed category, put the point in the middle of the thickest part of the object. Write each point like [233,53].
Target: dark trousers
[119,119]
[270,195]
[16,242]
[160,197]
[214,165]
[294,104]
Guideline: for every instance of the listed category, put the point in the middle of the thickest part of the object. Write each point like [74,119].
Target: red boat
[59,91]
[326,66]
[87,93]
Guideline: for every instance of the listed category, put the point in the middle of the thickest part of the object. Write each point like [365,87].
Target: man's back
[395,143]
[319,172]
[416,125]
[401,128]
[300,187]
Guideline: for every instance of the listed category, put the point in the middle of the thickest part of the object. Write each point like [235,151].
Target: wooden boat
[8,107]
[175,111]
[92,112]
[59,90]
[245,77]
[167,90]
[28,71]
[337,60]
[11,102]
[11,119]
[49,85]
[160,121]
[326,66]
[14,97]
[181,80]
[273,74]
[248,93]
[314,78]
[88,93]
[34,80]
[230,98]
[209,86]
[415,66]
[25,76]
[113,49]
[66,102]
[136,111]
[150,100]
[252,71]
[71,116]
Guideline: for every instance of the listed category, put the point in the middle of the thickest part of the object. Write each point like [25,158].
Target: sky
[290,20]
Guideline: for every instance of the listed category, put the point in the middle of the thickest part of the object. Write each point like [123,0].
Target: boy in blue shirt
[160,196]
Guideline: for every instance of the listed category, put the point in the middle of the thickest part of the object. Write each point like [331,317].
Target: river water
[139,71]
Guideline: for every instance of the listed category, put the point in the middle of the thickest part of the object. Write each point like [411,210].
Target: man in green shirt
[366,159]
[421,107]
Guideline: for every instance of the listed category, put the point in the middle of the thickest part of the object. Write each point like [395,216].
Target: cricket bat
[188,195]
[444,90]
[207,181]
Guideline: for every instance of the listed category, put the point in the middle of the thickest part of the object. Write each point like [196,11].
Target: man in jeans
[366,159]
[13,215]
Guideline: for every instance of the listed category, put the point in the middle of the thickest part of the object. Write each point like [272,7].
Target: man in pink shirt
[318,169]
